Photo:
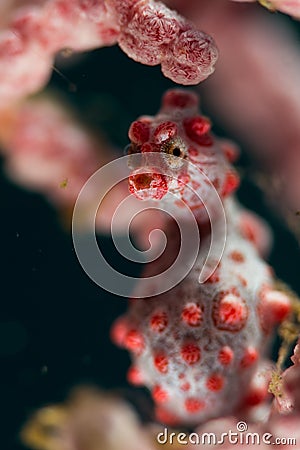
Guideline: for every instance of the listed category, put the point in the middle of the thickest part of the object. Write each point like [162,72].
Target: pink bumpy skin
[200,348]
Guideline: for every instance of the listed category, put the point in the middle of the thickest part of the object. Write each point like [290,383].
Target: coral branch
[146,30]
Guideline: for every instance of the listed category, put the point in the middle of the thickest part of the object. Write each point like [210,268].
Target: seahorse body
[199,347]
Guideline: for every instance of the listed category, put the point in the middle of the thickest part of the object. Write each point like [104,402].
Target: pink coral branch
[147,31]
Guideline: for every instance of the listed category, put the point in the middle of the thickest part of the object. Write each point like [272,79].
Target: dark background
[54,321]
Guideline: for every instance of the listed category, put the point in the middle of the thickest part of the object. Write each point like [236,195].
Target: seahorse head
[188,155]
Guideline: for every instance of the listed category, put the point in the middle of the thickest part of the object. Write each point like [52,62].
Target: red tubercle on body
[249,358]
[206,140]
[119,331]
[190,353]
[230,151]
[134,376]
[185,387]
[164,416]
[161,362]
[255,397]
[237,256]
[231,183]
[194,405]
[164,131]
[247,229]
[216,183]
[258,390]
[183,179]
[242,280]
[254,230]
[230,312]
[214,278]
[159,322]
[215,382]
[134,341]
[225,355]
[148,147]
[179,99]
[179,204]
[159,394]
[274,306]
[148,185]
[196,126]
[191,314]
[139,132]
[193,152]
[197,129]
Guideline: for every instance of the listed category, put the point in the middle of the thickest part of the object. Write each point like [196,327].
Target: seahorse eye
[175,147]
[176,151]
